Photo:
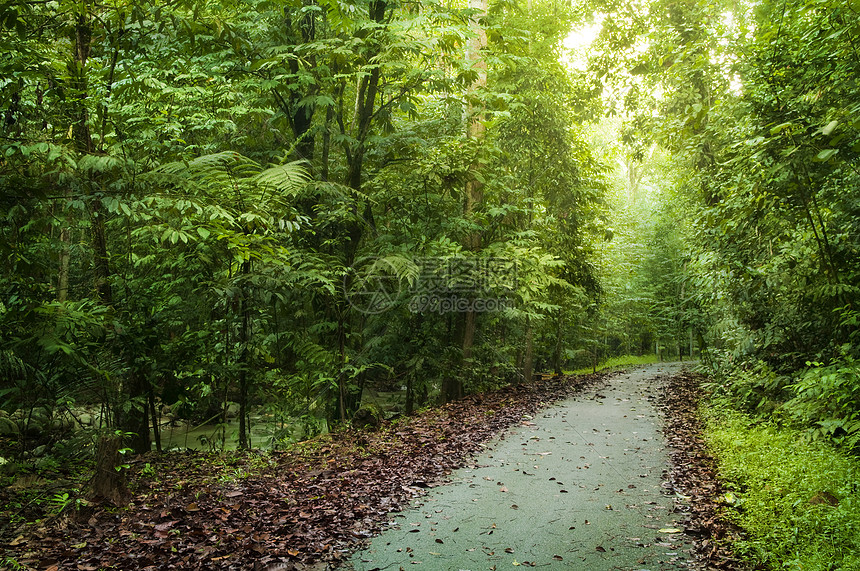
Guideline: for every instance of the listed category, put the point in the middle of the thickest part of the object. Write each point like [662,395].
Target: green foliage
[621,361]
[11,563]
[754,389]
[61,501]
[820,401]
[756,248]
[796,500]
[827,398]
[187,191]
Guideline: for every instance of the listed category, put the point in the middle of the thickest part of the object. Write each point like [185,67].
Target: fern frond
[215,168]
[399,266]
[284,179]
[338,192]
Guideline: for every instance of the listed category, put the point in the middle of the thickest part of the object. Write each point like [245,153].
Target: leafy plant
[61,501]
[797,500]
[827,399]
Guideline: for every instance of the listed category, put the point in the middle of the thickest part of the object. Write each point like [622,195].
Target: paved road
[577,487]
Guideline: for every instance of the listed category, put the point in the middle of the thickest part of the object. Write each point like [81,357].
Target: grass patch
[615,362]
[797,499]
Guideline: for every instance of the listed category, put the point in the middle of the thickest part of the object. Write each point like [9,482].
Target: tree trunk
[65,257]
[410,395]
[559,345]
[452,388]
[363,120]
[528,358]
[692,356]
[108,481]
[326,144]
[473,195]
[156,429]
[136,420]
[244,358]
[341,379]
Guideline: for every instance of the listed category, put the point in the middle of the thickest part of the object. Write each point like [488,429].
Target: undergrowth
[622,361]
[822,399]
[796,498]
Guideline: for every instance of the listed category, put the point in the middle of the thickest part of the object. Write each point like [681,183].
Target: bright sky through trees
[576,45]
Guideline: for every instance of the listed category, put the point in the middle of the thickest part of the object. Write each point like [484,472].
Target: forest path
[580,486]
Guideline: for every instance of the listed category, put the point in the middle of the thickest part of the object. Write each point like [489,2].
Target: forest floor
[607,471]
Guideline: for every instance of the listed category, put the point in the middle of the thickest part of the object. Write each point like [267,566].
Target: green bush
[797,499]
[622,361]
[755,389]
[827,401]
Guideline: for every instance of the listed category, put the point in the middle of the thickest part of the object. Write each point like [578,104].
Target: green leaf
[779,128]
[826,154]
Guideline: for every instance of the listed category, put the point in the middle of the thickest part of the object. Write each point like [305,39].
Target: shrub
[797,499]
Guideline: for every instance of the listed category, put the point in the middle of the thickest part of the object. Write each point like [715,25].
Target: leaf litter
[693,476]
[302,509]
[309,507]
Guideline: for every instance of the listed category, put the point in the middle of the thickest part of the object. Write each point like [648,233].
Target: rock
[36,423]
[232,409]
[62,423]
[45,463]
[824,498]
[89,419]
[367,416]
[8,427]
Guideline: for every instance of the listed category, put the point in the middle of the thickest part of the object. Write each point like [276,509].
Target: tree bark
[156,430]
[65,258]
[528,358]
[559,345]
[362,123]
[244,358]
[136,421]
[473,194]
[109,481]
